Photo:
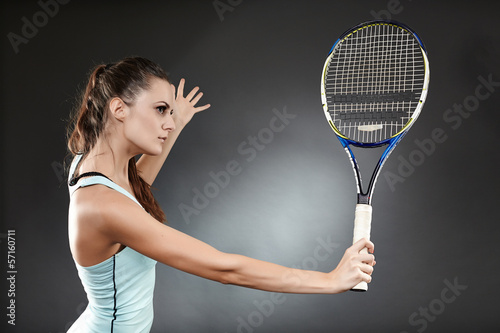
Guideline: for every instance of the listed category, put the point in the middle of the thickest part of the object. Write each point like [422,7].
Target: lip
[162,138]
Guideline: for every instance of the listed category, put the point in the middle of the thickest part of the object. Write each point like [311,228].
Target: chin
[152,151]
[158,151]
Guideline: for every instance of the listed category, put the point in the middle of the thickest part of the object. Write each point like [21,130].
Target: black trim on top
[114,295]
[74,180]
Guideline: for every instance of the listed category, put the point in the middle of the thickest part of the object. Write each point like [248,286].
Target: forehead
[159,90]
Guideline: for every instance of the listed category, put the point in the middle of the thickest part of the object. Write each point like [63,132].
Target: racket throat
[364,199]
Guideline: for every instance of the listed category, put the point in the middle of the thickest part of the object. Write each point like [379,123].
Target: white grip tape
[362,228]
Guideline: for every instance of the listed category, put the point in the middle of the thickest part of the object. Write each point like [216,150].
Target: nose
[168,124]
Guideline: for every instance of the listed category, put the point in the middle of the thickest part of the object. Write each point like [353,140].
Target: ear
[118,108]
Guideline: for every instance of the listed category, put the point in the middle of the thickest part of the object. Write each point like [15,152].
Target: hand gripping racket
[373,87]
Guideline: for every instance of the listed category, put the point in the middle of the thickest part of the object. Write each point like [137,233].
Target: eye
[172,112]
[161,109]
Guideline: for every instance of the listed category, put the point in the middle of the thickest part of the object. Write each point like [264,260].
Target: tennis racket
[373,87]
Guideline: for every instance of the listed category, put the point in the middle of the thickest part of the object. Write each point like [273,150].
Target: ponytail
[89,118]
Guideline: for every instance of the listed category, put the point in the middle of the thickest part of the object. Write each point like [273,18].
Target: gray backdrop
[290,198]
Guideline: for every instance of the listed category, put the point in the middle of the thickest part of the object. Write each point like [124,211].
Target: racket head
[374,83]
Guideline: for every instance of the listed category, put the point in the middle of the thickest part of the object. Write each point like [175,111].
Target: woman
[116,232]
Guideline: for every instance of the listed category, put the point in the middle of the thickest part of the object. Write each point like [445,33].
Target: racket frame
[363,212]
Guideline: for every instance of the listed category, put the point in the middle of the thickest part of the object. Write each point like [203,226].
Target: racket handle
[362,227]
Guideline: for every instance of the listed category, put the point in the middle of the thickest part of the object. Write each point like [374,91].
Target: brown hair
[124,79]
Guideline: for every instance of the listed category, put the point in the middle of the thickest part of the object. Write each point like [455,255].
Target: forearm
[149,166]
[257,274]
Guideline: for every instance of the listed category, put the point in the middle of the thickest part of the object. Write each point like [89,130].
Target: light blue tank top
[119,289]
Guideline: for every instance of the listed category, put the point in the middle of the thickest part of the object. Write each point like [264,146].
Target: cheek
[143,124]
[135,128]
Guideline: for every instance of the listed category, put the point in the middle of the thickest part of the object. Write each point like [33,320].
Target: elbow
[233,278]
[225,278]
[230,272]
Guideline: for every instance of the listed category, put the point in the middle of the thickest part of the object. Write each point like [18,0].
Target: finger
[361,244]
[367,278]
[191,94]
[202,108]
[365,272]
[196,98]
[367,269]
[180,89]
[367,259]
[371,247]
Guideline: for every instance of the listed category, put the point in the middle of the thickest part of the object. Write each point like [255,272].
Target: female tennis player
[116,229]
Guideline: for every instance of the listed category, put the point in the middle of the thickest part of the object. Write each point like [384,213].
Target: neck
[108,158]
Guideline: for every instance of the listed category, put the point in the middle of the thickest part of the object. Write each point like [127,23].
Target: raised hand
[185,107]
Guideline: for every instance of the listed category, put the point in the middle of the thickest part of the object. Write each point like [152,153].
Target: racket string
[373,82]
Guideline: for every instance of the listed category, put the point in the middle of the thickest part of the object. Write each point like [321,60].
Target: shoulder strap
[101,180]
[74,164]
[93,178]
[75,180]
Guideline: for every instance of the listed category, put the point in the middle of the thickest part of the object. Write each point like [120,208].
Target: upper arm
[128,224]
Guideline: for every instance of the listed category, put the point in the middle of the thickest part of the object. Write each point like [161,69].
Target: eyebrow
[166,104]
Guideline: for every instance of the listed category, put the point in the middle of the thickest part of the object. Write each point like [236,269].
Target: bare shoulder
[91,222]
[89,204]
[103,209]
[108,216]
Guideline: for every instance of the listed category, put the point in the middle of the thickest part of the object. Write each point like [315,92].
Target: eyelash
[162,109]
